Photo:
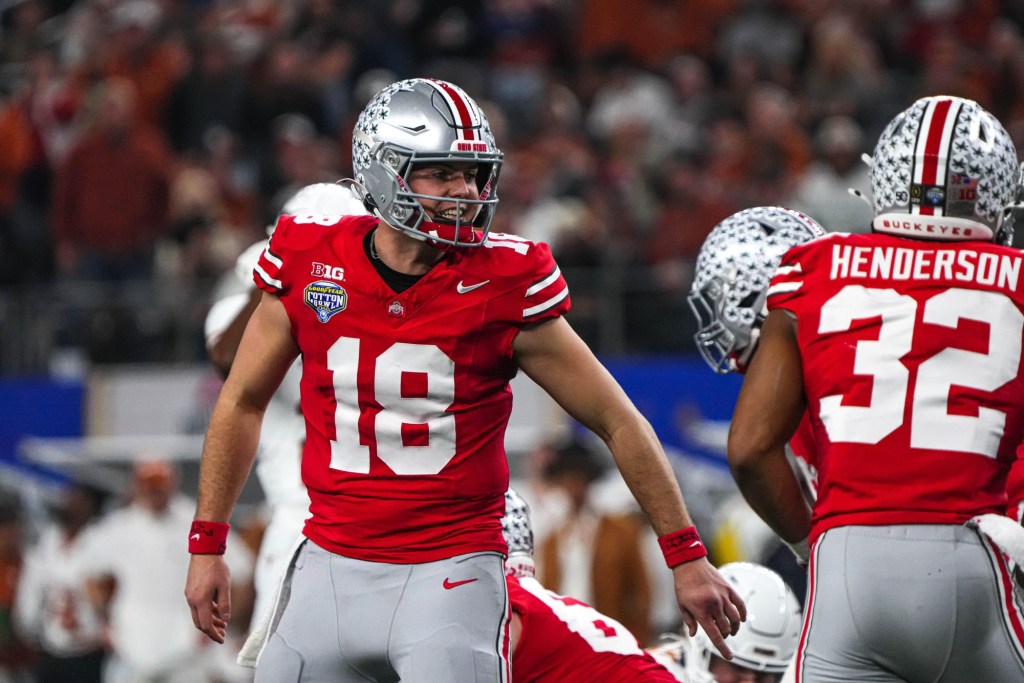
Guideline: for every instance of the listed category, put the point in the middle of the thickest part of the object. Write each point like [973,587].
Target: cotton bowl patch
[325,298]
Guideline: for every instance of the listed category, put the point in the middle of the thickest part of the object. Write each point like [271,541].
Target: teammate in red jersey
[561,639]
[728,297]
[905,347]
[410,324]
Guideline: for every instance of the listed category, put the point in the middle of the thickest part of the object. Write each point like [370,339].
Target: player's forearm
[769,485]
[647,472]
[228,454]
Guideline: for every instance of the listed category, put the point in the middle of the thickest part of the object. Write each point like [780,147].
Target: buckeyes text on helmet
[424,121]
[945,169]
[730,284]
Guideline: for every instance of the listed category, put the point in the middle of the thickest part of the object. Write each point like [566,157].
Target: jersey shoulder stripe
[268,263]
[544,306]
[544,282]
[790,281]
[529,271]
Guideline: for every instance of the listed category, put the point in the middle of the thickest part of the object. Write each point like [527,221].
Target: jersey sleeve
[546,293]
[267,273]
[789,285]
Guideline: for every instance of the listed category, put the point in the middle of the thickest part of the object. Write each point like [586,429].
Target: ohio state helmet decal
[944,169]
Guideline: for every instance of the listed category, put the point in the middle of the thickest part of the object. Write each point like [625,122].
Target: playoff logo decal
[325,298]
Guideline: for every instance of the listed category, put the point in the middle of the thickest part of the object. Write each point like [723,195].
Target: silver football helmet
[730,285]
[945,169]
[518,532]
[420,121]
[767,640]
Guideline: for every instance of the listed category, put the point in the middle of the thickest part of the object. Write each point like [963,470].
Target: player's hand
[706,598]
[208,591]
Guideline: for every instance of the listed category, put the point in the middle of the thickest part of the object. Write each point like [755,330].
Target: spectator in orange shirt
[111,192]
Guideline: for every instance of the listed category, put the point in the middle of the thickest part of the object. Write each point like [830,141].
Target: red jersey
[406,396]
[564,640]
[1015,488]
[912,367]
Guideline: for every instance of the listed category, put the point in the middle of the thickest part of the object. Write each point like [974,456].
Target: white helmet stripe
[463,113]
[931,154]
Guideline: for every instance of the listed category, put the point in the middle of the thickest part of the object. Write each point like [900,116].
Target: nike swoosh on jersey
[462,289]
[448,585]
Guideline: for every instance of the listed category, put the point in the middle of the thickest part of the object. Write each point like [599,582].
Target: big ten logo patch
[326,298]
[326,271]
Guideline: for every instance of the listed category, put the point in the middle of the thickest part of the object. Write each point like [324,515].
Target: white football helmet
[421,121]
[730,285]
[319,199]
[518,533]
[342,198]
[328,199]
[945,169]
[767,640]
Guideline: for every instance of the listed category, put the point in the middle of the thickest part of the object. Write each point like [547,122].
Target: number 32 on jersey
[931,424]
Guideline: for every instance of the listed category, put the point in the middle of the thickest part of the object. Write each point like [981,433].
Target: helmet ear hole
[750,299]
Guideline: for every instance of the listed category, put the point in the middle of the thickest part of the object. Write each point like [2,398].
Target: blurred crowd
[91,582]
[155,139]
[151,141]
[91,591]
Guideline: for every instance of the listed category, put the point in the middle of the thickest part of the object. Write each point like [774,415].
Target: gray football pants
[910,604]
[349,620]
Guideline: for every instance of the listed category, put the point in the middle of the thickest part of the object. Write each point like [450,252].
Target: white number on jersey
[398,411]
[931,424]
[602,633]
[502,239]
[317,218]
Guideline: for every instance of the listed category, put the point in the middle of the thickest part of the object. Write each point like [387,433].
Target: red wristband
[682,546]
[208,538]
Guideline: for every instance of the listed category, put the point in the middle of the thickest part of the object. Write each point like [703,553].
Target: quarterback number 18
[430,454]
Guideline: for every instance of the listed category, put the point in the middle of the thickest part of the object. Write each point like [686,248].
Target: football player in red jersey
[728,298]
[410,323]
[559,639]
[905,346]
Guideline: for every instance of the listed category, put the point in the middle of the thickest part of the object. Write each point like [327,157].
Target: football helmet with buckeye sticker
[518,533]
[767,640]
[945,169]
[730,285]
[421,121]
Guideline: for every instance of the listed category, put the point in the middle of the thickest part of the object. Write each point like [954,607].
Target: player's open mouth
[452,216]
